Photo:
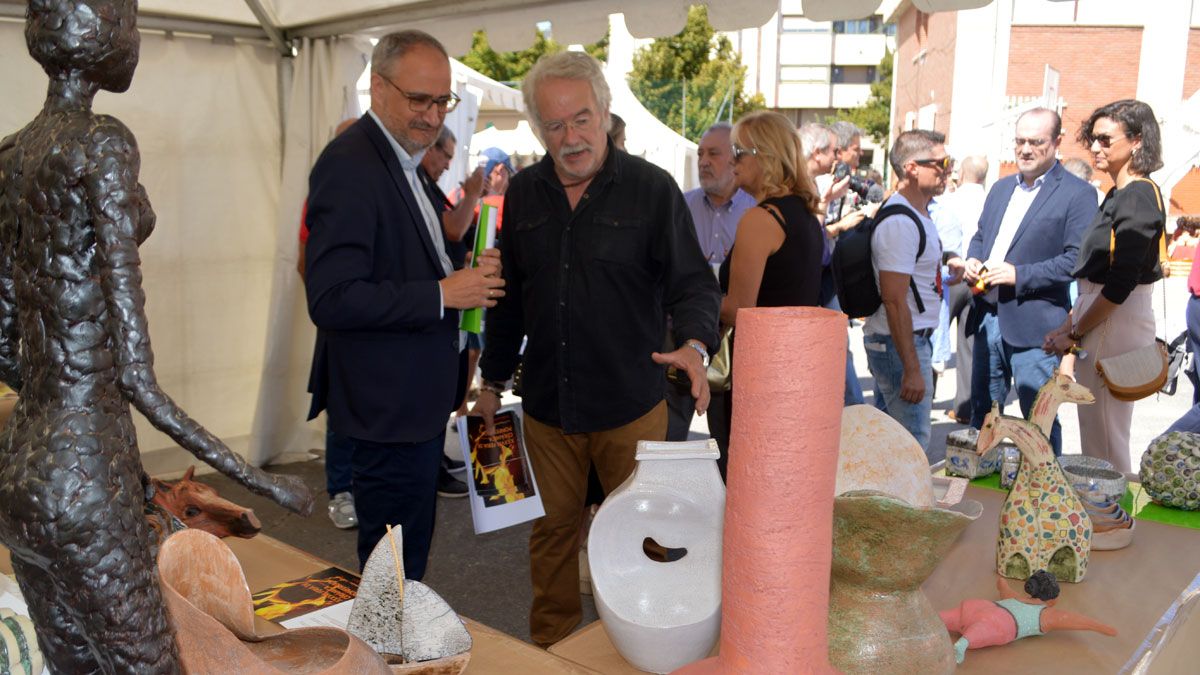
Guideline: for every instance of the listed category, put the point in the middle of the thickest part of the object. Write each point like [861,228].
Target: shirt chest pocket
[617,239]
[532,243]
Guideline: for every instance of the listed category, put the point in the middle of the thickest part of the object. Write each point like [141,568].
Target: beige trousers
[560,462]
[1104,426]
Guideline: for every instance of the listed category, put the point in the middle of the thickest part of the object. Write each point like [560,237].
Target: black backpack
[853,271]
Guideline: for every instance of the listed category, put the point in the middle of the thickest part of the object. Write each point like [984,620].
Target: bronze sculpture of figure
[75,343]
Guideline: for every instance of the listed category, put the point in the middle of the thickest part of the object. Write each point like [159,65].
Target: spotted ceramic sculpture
[1043,524]
[1170,470]
[1058,390]
[661,615]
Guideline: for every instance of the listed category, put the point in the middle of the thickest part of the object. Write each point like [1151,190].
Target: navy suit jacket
[1043,251]
[386,362]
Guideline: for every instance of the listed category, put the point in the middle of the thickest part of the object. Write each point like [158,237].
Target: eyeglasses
[942,164]
[1105,140]
[579,124]
[1031,142]
[423,102]
[739,152]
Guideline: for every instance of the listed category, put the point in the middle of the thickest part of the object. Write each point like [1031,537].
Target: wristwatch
[496,388]
[695,344]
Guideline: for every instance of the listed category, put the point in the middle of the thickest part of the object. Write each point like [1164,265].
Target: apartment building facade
[969,74]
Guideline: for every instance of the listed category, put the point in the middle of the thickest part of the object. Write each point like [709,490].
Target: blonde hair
[784,170]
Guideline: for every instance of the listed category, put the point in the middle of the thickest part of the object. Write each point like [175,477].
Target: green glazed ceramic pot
[883,550]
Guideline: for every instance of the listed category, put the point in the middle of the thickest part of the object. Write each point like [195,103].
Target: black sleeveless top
[792,275]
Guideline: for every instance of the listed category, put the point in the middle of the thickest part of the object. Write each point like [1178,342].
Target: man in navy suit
[1024,251]
[384,296]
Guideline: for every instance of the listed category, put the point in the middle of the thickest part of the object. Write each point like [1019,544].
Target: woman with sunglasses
[776,256]
[1117,265]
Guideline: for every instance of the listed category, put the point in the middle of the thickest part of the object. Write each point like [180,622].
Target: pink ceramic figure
[986,623]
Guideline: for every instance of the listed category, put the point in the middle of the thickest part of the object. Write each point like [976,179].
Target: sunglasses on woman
[739,152]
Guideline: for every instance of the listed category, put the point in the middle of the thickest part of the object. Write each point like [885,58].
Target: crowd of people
[607,278]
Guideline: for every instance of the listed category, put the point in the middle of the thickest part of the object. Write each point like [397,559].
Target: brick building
[969,74]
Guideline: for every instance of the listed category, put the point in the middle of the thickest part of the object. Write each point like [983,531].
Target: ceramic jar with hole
[655,555]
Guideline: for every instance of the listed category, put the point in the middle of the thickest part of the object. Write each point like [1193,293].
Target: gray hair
[445,136]
[846,132]
[910,144]
[973,169]
[567,66]
[1078,168]
[719,126]
[395,45]
[815,136]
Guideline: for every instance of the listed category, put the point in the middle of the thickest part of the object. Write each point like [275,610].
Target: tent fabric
[206,120]
[323,93]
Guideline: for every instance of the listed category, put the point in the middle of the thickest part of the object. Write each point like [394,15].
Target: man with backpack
[906,256]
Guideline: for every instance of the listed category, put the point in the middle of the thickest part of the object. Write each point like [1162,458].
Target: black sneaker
[453,465]
[449,486]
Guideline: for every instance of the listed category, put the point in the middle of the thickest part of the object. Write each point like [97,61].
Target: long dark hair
[1137,119]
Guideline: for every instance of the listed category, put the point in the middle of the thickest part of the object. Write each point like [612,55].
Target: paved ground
[486,577]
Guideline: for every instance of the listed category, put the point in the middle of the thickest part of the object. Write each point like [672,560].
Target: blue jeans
[338,450]
[1190,422]
[854,392]
[888,371]
[1193,329]
[997,365]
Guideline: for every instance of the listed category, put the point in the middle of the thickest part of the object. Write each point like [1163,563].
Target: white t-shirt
[894,249]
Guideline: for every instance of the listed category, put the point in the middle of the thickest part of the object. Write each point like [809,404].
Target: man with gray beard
[598,248]
[716,207]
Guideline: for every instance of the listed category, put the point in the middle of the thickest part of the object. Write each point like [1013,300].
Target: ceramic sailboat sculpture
[1043,524]
[412,622]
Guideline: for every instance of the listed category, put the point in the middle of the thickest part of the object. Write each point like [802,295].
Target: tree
[697,65]
[511,67]
[875,116]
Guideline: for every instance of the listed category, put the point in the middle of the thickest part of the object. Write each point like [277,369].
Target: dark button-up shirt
[591,288]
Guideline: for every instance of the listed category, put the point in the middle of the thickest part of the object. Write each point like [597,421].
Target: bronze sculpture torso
[75,343]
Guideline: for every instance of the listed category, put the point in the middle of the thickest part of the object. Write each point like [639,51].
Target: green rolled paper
[485,238]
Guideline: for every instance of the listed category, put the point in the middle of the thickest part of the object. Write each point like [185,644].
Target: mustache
[423,126]
[568,149]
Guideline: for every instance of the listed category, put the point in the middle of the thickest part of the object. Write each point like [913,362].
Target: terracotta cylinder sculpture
[788,379]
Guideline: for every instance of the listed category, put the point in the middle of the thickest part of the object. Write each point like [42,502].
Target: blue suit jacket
[1043,251]
[386,364]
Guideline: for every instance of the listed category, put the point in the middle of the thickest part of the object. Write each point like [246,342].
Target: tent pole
[273,32]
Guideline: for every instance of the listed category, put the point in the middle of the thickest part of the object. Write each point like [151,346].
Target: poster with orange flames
[503,489]
[298,597]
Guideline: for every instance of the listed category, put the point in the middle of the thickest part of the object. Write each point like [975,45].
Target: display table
[1131,589]
[267,562]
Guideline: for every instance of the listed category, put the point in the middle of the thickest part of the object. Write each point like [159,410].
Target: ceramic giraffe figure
[1043,524]
[1058,390]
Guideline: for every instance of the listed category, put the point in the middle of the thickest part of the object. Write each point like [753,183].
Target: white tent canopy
[231,104]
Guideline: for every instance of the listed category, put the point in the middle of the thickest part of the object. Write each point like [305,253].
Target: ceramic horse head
[1058,390]
[1043,525]
[200,507]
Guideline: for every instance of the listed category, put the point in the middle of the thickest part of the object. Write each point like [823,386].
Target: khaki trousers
[1104,425]
[560,462]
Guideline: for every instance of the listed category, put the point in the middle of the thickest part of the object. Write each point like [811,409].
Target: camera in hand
[867,190]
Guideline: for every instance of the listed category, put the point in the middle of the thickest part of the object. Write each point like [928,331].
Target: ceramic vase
[883,550]
[660,614]
[788,375]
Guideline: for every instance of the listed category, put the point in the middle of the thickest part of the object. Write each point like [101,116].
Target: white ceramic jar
[662,615]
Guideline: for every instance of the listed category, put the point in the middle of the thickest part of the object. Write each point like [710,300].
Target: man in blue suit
[1024,252]
[384,296]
